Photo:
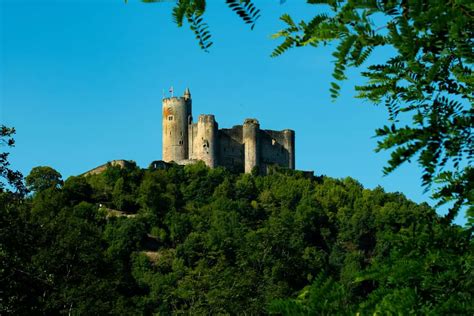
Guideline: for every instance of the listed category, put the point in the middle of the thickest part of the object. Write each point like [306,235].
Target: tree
[8,177]
[77,189]
[19,291]
[42,178]
[429,78]
[247,247]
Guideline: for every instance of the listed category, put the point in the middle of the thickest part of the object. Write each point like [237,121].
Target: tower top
[187,94]
[251,121]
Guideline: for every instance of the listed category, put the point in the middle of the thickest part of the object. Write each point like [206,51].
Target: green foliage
[430,77]
[21,289]
[323,297]
[192,11]
[77,189]
[427,83]
[123,237]
[195,240]
[42,178]
[246,10]
[9,178]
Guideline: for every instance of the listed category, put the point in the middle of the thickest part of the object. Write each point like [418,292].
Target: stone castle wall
[231,148]
[241,148]
[102,168]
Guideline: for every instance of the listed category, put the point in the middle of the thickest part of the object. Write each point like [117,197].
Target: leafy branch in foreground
[246,10]
[430,79]
[9,177]
[193,10]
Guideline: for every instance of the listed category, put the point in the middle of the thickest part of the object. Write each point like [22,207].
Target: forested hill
[200,241]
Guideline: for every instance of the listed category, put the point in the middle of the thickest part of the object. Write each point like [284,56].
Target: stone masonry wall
[240,148]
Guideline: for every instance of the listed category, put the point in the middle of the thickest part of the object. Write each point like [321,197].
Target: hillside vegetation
[205,241]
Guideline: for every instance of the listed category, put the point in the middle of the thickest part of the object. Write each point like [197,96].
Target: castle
[242,148]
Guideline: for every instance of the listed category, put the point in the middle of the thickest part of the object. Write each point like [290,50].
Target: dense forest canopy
[194,240]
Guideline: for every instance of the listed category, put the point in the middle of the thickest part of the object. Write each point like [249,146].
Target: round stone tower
[290,146]
[206,140]
[177,113]
[251,130]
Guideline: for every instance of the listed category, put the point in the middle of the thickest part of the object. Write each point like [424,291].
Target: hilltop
[194,240]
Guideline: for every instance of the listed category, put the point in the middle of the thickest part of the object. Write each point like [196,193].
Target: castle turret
[177,113]
[205,143]
[251,129]
[187,98]
[187,94]
[289,136]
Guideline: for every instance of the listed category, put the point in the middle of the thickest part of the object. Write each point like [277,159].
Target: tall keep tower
[177,115]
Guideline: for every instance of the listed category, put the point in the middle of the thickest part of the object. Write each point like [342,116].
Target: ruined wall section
[176,115]
[277,147]
[231,148]
[192,136]
[244,147]
[114,163]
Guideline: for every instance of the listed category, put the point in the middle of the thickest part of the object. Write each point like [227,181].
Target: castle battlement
[251,121]
[241,148]
[206,118]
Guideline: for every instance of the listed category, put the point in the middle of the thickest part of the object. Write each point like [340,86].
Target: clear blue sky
[82,82]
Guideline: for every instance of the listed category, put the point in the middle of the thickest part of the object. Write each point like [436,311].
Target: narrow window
[170,117]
